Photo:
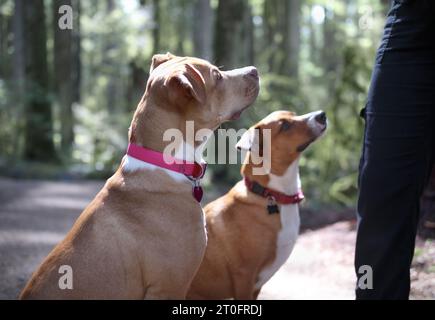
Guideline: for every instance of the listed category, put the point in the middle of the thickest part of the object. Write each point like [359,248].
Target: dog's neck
[289,182]
[149,125]
[148,129]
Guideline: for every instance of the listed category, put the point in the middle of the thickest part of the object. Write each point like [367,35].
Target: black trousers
[398,150]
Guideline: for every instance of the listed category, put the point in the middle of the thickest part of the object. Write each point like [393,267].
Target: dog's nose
[321,118]
[253,72]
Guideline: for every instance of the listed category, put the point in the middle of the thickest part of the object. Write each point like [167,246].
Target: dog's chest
[286,240]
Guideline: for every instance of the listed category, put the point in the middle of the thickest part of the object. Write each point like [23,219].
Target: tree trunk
[63,78]
[291,38]
[156,28]
[38,123]
[203,29]
[269,30]
[112,89]
[76,52]
[110,5]
[313,43]
[3,42]
[248,50]
[329,52]
[282,20]
[19,50]
[228,33]
[18,72]
[183,28]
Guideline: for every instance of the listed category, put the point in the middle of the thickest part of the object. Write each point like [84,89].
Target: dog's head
[197,90]
[290,136]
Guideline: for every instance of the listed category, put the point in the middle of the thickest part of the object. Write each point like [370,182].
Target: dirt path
[35,215]
[320,267]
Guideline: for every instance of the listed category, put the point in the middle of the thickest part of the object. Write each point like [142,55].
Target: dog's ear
[251,140]
[186,85]
[158,59]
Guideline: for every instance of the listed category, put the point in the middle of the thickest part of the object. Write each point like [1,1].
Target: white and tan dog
[143,236]
[252,229]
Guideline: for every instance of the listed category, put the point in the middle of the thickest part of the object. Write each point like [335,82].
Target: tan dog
[246,244]
[143,236]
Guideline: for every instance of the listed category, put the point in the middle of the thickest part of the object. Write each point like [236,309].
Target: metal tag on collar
[272,206]
[197,191]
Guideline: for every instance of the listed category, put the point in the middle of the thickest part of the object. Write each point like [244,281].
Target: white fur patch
[315,126]
[288,183]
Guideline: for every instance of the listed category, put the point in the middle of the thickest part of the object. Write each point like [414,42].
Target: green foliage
[330,168]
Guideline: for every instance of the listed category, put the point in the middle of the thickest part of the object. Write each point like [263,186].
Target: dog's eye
[285,125]
[217,75]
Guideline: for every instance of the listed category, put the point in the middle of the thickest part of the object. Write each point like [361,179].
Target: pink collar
[192,170]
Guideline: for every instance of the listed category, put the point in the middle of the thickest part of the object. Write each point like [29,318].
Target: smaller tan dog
[253,228]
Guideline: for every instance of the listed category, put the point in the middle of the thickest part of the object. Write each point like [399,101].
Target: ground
[321,267]
[35,215]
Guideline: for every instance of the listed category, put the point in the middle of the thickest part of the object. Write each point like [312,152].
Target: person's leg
[398,149]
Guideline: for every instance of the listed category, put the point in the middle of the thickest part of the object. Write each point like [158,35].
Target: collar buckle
[258,189]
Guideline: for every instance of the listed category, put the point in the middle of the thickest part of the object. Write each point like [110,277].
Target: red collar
[192,170]
[279,197]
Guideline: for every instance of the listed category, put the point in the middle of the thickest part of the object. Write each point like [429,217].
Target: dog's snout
[246,72]
[253,73]
[321,118]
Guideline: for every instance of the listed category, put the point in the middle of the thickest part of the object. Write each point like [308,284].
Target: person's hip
[409,34]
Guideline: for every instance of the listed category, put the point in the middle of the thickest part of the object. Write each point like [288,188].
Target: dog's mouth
[323,129]
[304,146]
[236,115]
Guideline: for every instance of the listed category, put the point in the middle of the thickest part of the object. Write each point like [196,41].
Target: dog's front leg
[256,293]
[159,293]
[244,285]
